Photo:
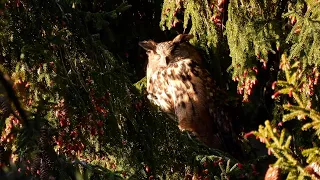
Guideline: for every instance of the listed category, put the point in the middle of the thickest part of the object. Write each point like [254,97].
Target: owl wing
[193,91]
[222,119]
[189,99]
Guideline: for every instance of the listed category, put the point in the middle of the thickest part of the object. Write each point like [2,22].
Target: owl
[179,84]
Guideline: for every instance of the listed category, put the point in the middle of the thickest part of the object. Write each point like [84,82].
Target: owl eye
[151,53]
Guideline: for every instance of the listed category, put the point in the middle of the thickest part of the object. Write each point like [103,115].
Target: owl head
[164,49]
[160,54]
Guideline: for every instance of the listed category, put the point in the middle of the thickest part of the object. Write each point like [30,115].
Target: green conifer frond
[305,35]
[280,146]
[196,14]
[312,154]
[251,29]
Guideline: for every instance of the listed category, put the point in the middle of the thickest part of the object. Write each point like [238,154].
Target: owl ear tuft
[182,38]
[148,45]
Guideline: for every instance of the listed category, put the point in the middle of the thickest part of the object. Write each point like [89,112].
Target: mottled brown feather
[178,84]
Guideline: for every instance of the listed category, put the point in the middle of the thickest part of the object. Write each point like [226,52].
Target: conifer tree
[68,83]
[274,50]
[69,108]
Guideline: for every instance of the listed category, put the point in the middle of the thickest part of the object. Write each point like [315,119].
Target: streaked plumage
[179,85]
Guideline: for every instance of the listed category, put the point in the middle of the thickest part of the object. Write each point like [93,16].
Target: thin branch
[5,81]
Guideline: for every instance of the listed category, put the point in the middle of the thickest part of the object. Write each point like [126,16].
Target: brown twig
[5,81]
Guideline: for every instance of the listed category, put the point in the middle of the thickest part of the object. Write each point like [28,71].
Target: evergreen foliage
[68,81]
[294,158]
[272,44]
[252,29]
[69,108]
